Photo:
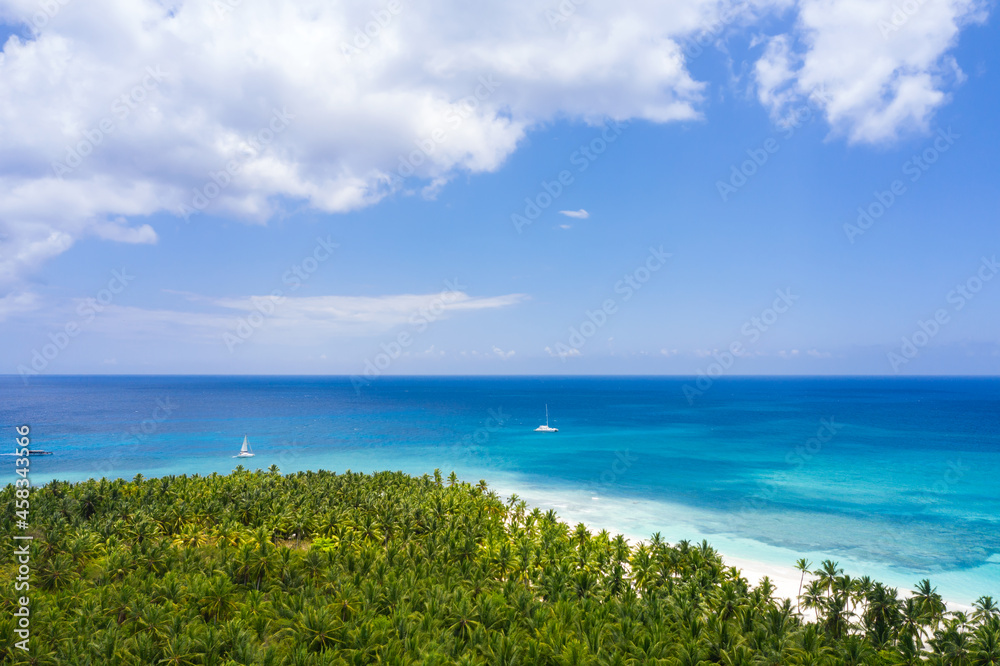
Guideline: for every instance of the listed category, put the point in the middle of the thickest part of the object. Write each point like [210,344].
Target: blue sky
[496,299]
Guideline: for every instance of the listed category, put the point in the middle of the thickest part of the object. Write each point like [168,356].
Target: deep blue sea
[895,478]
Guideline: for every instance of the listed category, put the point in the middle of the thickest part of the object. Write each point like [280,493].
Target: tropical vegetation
[323,568]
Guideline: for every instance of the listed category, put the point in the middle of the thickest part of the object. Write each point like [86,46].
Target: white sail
[546,428]
[245,450]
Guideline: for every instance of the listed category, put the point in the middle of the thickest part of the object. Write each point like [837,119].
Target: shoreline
[632,518]
[784,577]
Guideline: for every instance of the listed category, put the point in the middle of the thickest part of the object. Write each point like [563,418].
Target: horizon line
[517,375]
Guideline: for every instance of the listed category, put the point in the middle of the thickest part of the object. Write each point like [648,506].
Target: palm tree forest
[319,568]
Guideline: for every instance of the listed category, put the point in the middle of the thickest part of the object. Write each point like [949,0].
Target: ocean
[896,478]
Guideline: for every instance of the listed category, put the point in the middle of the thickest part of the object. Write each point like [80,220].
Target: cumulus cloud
[117,110]
[876,68]
[775,75]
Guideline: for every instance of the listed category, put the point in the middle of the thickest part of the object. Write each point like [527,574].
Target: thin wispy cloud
[16,303]
[293,319]
[578,214]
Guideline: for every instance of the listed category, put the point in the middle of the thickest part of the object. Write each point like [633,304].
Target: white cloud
[563,353]
[578,214]
[379,311]
[181,88]
[874,71]
[293,319]
[16,303]
[143,103]
[501,353]
[774,74]
[432,352]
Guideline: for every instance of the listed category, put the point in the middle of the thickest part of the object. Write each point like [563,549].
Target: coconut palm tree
[953,645]
[802,565]
[986,645]
[217,599]
[986,608]
[827,573]
[930,602]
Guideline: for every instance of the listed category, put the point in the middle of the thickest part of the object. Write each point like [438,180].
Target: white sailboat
[546,428]
[245,450]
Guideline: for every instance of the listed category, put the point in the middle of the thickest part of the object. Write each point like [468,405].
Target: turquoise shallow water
[896,478]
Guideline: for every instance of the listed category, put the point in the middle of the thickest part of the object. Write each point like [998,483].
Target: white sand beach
[637,520]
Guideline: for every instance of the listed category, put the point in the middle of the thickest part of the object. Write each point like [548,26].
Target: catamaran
[546,428]
[245,450]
